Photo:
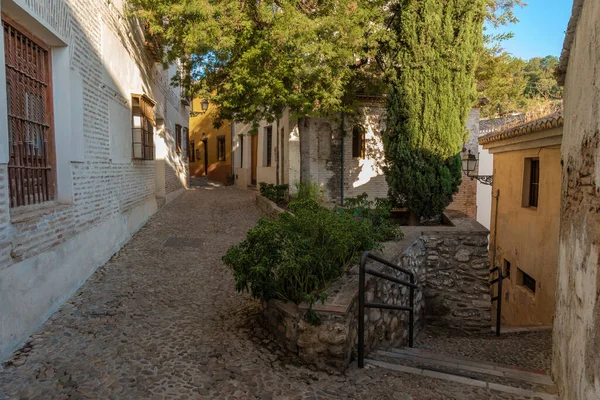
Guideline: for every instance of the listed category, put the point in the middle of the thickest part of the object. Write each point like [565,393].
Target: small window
[531,182]
[527,281]
[192,151]
[143,127]
[358,142]
[241,139]
[269,142]
[178,138]
[506,268]
[221,148]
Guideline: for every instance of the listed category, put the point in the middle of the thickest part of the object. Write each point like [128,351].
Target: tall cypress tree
[432,88]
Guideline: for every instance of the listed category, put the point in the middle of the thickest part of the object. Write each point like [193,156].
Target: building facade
[576,359]
[525,217]
[210,147]
[92,142]
[342,154]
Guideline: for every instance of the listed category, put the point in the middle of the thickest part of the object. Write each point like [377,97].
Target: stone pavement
[161,320]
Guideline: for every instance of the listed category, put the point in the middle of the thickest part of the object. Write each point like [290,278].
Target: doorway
[205,145]
[254,158]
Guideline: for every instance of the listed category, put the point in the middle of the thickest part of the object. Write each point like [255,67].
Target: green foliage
[294,256]
[255,58]
[275,193]
[432,91]
[378,212]
[308,190]
[514,85]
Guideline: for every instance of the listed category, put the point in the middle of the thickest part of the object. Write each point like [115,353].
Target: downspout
[232,160]
[497,197]
[342,162]
[277,155]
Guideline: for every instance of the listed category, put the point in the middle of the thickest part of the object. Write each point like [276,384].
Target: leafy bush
[275,193]
[377,212]
[308,190]
[295,255]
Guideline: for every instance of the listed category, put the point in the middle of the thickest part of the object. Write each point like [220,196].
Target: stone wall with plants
[330,344]
[451,268]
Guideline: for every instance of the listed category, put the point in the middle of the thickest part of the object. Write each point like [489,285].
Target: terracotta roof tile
[548,122]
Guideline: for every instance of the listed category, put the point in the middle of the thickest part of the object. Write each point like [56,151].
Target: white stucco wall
[576,355]
[103,196]
[484,192]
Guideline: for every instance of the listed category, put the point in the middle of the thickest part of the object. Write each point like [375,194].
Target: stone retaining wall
[451,268]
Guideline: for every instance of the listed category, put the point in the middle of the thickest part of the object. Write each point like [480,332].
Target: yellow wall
[526,236]
[201,127]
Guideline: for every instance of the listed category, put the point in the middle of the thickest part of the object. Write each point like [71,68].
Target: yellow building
[525,217]
[210,148]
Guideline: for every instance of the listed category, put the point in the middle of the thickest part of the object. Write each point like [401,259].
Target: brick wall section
[465,199]
[101,189]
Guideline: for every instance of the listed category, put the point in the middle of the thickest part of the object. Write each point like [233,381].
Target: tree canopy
[255,58]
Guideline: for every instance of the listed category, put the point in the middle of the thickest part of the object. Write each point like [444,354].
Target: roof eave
[561,70]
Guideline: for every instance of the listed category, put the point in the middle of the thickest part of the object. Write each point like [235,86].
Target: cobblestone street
[161,320]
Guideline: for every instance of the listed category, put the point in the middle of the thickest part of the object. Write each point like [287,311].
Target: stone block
[463,255]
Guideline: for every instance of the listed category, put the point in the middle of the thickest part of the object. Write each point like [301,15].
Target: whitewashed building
[343,162]
[92,143]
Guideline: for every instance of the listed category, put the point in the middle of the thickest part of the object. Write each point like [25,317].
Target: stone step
[459,377]
[466,364]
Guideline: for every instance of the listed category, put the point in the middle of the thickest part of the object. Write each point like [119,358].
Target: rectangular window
[506,268]
[192,151]
[269,149]
[186,135]
[241,139]
[526,281]
[178,138]
[358,142]
[221,148]
[31,165]
[143,127]
[531,182]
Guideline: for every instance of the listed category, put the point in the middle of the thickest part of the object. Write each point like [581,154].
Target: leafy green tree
[253,59]
[432,91]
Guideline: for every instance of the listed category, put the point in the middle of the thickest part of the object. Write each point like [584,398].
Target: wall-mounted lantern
[203,106]
[469,165]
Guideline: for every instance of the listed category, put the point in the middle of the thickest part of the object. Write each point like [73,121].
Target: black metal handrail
[362,304]
[498,298]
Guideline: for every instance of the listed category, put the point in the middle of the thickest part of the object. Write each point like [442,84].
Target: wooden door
[254,158]
[205,145]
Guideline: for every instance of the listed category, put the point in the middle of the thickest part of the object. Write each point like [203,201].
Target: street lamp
[203,105]
[469,165]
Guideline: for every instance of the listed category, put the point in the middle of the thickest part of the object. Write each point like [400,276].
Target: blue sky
[540,30]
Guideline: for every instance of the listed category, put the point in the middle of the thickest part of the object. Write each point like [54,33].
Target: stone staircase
[516,381]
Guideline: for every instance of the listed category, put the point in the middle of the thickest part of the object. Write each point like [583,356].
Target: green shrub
[308,190]
[275,193]
[294,256]
[377,212]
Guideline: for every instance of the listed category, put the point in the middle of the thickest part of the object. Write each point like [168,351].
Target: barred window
[143,127]
[221,148]
[186,135]
[358,142]
[31,166]
[178,138]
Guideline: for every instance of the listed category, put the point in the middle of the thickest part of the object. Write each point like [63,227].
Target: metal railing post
[361,311]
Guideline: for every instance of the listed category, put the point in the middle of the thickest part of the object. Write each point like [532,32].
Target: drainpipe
[277,155]
[497,197]
[342,162]
[232,124]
